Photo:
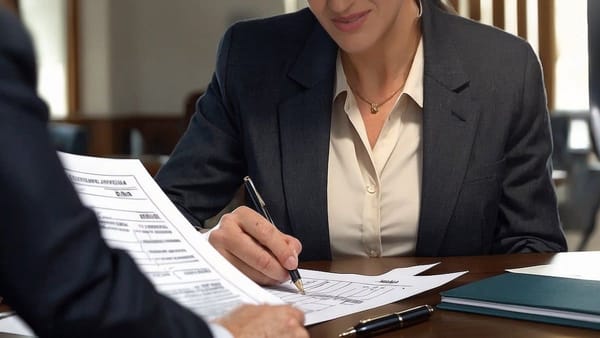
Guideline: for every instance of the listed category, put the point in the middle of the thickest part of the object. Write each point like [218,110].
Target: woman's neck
[384,67]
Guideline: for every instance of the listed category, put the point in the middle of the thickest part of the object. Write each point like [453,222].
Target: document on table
[15,325]
[332,295]
[136,216]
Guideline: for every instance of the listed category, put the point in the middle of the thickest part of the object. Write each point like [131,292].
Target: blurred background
[121,77]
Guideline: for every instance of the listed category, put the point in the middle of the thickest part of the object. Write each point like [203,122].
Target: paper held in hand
[136,216]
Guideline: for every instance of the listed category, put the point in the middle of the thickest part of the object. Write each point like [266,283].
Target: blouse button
[373,253]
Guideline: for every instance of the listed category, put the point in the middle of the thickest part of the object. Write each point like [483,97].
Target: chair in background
[560,133]
[579,193]
[69,137]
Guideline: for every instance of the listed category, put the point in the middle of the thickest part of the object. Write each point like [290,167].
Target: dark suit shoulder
[479,33]
[18,75]
[15,49]
[475,42]
[491,58]
[266,38]
[11,31]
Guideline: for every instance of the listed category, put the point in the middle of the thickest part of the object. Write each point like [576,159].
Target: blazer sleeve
[528,211]
[55,269]
[207,166]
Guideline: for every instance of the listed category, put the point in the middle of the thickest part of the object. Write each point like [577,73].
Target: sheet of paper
[15,325]
[136,216]
[332,295]
[574,271]
[6,314]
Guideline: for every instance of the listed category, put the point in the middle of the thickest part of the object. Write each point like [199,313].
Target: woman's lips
[351,22]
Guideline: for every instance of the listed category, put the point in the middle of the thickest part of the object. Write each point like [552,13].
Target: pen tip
[347,333]
[300,286]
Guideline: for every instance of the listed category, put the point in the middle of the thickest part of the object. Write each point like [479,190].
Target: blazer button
[371,189]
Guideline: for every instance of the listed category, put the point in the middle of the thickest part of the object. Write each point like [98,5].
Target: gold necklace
[375,106]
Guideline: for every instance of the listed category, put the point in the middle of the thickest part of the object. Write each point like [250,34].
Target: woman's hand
[255,246]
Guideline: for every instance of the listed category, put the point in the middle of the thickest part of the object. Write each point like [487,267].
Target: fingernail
[292,262]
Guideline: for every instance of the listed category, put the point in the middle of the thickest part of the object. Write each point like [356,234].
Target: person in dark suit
[55,269]
[371,128]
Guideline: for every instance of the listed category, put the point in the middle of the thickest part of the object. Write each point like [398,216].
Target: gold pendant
[374,108]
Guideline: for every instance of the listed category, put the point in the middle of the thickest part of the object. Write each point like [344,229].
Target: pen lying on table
[394,320]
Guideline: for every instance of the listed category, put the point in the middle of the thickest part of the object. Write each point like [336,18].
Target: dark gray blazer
[486,176]
[56,271]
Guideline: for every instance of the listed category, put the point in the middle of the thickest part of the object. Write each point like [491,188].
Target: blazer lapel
[449,124]
[305,121]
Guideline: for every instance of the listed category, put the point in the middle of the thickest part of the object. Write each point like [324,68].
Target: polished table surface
[448,323]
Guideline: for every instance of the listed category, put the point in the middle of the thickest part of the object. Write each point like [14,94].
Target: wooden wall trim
[12,5]
[522,18]
[110,136]
[498,7]
[454,3]
[547,47]
[475,10]
[72,57]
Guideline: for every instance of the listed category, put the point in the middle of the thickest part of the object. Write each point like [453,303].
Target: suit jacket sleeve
[528,212]
[207,165]
[55,269]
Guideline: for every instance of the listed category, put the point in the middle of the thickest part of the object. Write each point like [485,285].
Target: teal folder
[555,300]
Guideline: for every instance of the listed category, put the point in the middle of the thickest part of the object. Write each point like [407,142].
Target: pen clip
[250,185]
[364,321]
[256,198]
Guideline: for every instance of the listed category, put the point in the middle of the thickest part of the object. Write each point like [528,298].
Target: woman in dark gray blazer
[373,128]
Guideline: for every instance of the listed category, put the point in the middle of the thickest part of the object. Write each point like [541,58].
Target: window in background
[47,23]
[557,31]
[572,88]
[293,5]
[579,136]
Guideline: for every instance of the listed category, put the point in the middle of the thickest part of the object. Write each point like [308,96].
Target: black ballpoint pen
[394,320]
[260,204]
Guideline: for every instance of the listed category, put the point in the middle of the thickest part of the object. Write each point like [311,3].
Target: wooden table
[448,323]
